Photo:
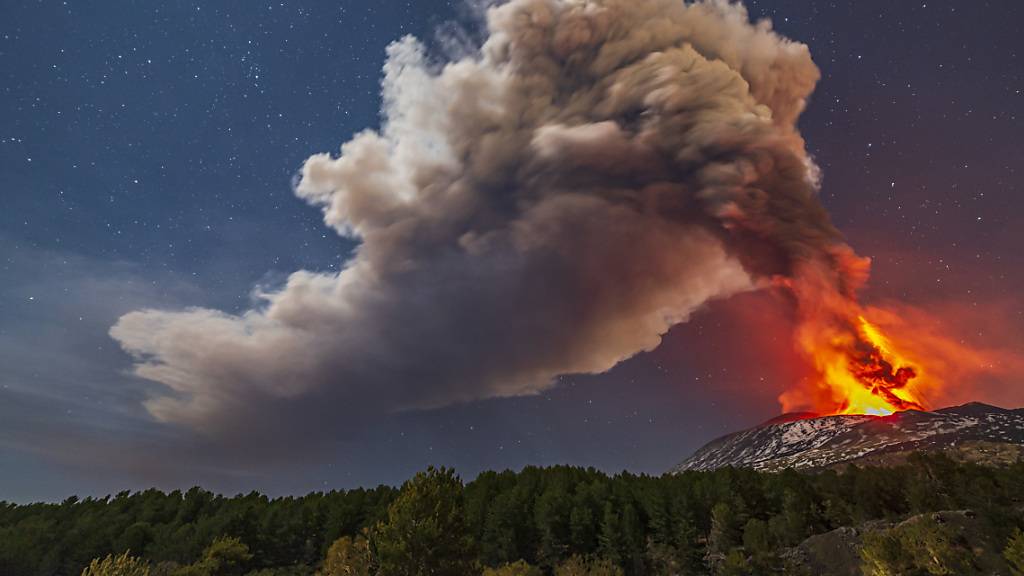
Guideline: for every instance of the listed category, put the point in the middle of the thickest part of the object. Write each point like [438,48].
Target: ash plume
[551,204]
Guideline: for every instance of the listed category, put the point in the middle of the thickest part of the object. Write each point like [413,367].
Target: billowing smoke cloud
[551,204]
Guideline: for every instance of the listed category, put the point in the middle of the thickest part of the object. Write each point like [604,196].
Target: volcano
[973,432]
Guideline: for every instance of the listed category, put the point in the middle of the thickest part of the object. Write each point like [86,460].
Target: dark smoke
[879,375]
[551,204]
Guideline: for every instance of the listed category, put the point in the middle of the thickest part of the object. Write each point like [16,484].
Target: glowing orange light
[863,372]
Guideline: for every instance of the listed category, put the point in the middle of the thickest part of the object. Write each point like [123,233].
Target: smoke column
[552,203]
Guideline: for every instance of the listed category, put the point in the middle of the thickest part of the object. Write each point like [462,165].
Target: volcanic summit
[973,432]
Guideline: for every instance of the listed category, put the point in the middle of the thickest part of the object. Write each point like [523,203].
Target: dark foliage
[725,521]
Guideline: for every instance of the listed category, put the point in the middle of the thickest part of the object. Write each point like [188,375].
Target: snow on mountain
[805,443]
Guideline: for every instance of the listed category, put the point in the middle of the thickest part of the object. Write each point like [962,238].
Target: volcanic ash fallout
[550,204]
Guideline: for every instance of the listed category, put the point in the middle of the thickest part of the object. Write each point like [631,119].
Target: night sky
[147,158]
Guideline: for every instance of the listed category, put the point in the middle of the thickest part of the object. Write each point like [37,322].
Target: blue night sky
[147,158]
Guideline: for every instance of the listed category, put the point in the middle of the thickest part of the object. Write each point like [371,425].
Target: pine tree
[551,514]
[226,556]
[349,557]
[725,529]
[610,543]
[734,564]
[632,540]
[425,533]
[1014,553]
[798,519]
[499,540]
[123,565]
[757,543]
[582,532]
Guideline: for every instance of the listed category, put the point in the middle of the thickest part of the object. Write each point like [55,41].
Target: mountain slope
[973,431]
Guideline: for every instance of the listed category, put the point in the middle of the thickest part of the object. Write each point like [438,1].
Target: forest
[565,521]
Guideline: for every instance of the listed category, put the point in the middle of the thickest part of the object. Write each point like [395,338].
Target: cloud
[551,204]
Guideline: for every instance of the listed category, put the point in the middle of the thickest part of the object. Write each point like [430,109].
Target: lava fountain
[866,374]
[857,366]
[883,359]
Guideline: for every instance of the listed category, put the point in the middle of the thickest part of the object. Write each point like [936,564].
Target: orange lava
[859,369]
[879,360]
[870,376]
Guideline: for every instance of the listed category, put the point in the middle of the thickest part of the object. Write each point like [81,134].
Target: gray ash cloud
[550,204]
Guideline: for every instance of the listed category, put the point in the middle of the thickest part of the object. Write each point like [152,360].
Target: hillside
[973,432]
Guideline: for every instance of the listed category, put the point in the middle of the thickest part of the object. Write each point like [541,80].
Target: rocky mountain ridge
[974,431]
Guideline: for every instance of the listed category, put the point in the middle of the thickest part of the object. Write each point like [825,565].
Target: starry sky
[147,154]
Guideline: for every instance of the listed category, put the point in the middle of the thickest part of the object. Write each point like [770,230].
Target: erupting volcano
[858,365]
[865,373]
[550,204]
